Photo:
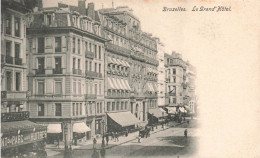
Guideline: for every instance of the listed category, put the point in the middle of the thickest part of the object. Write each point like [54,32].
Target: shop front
[156,116]
[21,137]
[121,121]
[80,130]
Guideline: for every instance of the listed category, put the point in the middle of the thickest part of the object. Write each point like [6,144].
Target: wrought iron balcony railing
[40,71]
[15,116]
[89,54]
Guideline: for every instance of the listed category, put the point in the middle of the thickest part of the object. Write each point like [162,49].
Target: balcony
[57,71]
[117,49]
[40,71]
[92,74]
[15,116]
[118,96]
[89,54]
[9,60]
[90,96]
[13,95]
[18,61]
[138,56]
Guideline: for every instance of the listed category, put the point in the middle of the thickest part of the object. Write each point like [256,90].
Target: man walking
[107,138]
[94,143]
[185,133]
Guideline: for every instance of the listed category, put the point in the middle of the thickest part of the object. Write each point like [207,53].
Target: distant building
[175,79]
[18,134]
[66,71]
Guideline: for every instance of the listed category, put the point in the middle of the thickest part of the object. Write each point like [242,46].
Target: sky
[224,47]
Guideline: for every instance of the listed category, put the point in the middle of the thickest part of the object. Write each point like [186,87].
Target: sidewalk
[52,150]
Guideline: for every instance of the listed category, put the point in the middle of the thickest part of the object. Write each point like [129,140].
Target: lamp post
[103,133]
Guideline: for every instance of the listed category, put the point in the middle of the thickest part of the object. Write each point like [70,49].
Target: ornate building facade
[131,64]
[66,70]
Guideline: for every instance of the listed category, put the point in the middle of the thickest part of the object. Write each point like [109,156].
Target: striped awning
[110,83]
[80,127]
[115,61]
[155,87]
[123,84]
[126,63]
[119,62]
[109,60]
[118,82]
[127,85]
[115,84]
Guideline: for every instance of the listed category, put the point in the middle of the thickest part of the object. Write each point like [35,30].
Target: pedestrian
[139,138]
[70,152]
[126,133]
[185,133]
[107,138]
[76,141]
[103,152]
[103,141]
[94,143]
[117,137]
[113,136]
[58,143]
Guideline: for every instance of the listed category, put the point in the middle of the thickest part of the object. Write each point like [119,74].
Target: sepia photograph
[130,78]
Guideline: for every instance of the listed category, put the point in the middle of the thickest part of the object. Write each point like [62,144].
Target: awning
[182,109]
[54,128]
[123,84]
[162,110]
[116,86]
[148,87]
[109,60]
[188,108]
[157,112]
[171,110]
[151,87]
[110,83]
[119,62]
[17,133]
[80,127]
[115,61]
[127,85]
[126,63]
[119,84]
[124,118]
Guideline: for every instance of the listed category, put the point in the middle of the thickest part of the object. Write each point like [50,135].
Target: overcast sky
[224,47]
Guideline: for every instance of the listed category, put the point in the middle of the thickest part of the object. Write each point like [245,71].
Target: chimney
[82,7]
[91,10]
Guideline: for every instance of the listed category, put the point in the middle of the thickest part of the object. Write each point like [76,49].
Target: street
[165,143]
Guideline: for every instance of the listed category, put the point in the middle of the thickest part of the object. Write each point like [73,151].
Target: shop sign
[22,138]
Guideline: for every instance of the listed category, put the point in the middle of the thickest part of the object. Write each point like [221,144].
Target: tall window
[17,50]
[95,49]
[8,80]
[174,79]
[90,109]
[73,109]
[174,100]
[80,108]
[113,106]
[41,64]
[101,108]
[99,88]
[58,69]
[174,71]
[17,26]
[117,105]
[97,108]
[73,45]
[86,47]
[57,44]
[91,88]
[58,87]
[78,46]
[86,108]
[90,65]
[108,106]
[40,109]
[99,68]
[87,87]
[8,48]
[126,107]
[90,47]
[74,87]
[17,81]
[79,87]
[48,19]
[41,45]
[74,63]
[99,52]
[122,105]
[95,89]
[8,25]
[79,67]
[41,87]
[58,109]
[86,66]
[77,108]
[95,67]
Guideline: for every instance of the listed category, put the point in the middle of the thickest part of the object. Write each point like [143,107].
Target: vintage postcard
[130,78]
